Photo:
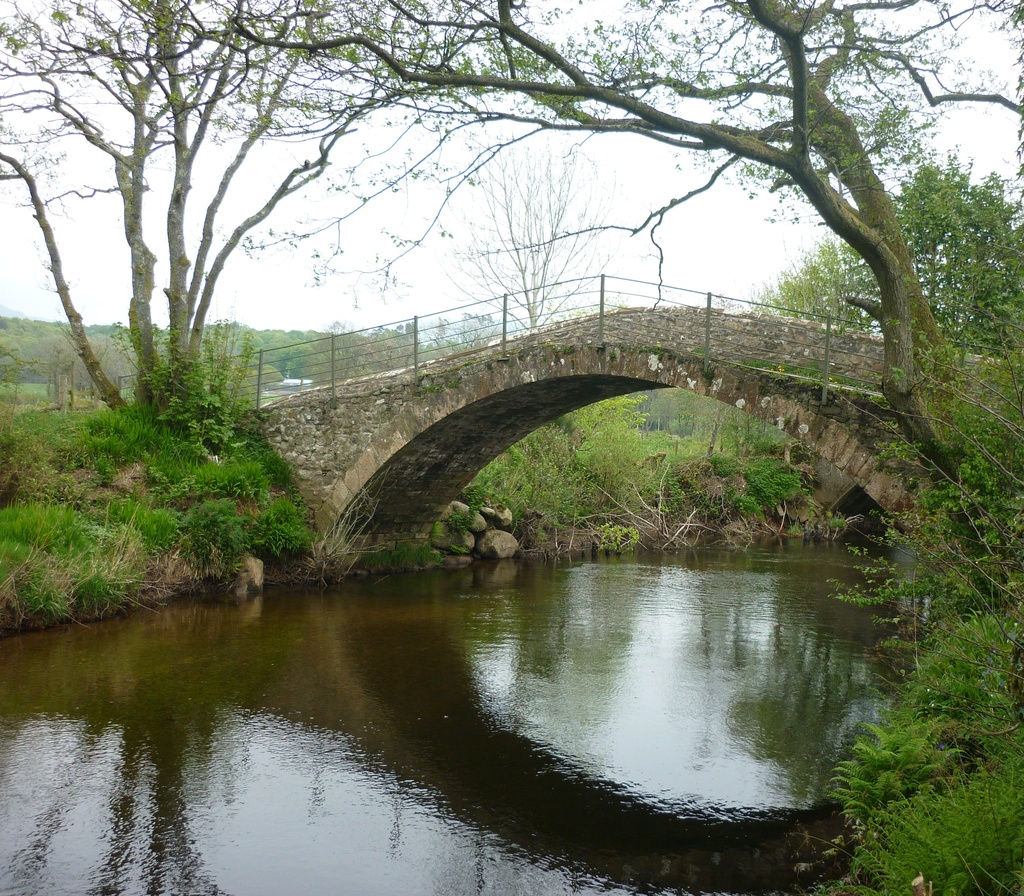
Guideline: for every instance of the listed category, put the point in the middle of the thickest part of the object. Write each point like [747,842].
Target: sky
[725,241]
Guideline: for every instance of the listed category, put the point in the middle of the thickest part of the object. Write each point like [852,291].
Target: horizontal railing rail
[592,310]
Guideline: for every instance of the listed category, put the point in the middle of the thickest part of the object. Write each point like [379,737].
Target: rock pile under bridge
[485,533]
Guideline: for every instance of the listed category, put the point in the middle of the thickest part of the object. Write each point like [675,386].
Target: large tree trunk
[873,230]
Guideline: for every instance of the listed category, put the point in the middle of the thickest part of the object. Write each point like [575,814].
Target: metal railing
[594,309]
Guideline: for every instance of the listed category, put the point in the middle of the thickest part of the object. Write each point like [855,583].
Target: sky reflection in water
[610,727]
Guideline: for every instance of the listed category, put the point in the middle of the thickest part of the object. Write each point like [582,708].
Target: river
[648,725]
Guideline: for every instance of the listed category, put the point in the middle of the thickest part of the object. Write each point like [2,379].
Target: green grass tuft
[45,527]
[157,526]
[279,530]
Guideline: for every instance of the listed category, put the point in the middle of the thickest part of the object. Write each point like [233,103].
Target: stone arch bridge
[396,448]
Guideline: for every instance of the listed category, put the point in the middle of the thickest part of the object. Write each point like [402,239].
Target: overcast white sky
[722,241]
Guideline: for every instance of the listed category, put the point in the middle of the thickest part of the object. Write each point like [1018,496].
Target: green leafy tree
[816,99]
[829,280]
[172,111]
[967,240]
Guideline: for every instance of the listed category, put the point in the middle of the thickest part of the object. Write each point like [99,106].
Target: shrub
[888,763]
[771,443]
[746,505]
[611,447]
[214,538]
[474,496]
[458,522]
[203,398]
[724,465]
[968,680]
[618,538]
[771,482]
[967,839]
[575,467]
[280,529]
[540,473]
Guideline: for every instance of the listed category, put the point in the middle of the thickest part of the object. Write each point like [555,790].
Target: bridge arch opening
[433,468]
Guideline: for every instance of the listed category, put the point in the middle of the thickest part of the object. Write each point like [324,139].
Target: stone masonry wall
[410,447]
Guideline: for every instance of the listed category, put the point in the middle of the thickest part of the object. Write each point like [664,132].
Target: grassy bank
[935,794]
[100,510]
[937,789]
[103,509]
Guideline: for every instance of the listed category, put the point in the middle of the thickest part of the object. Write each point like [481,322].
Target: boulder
[474,521]
[498,516]
[444,539]
[496,544]
[455,507]
[250,577]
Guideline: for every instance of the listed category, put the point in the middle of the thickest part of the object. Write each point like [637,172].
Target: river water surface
[664,725]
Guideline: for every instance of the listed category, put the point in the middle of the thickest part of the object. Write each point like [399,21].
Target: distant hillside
[48,350]
[10,312]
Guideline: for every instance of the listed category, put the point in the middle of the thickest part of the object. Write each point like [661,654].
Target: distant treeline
[34,351]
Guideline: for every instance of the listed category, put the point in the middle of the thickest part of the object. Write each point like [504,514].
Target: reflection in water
[722,686]
[616,727]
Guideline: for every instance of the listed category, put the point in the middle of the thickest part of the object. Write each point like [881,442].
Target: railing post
[416,349]
[707,337]
[504,321]
[825,364]
[334,377]
[259,379]
[600,317]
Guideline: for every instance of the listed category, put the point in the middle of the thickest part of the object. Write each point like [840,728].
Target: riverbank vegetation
[937,790]
[621,473]
[103,509]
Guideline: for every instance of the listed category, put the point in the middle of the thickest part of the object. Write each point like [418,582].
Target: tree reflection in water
[504,728]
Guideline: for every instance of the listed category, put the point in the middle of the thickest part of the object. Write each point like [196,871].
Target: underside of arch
[407,493]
